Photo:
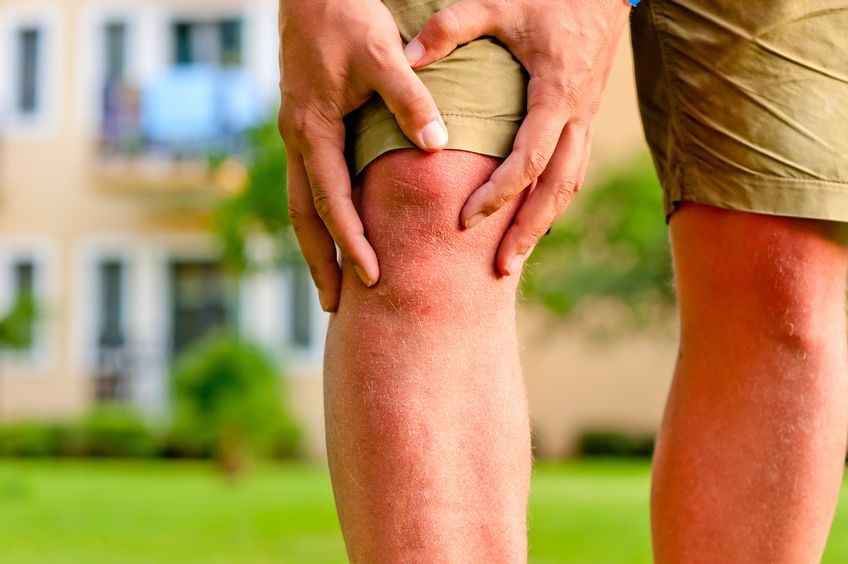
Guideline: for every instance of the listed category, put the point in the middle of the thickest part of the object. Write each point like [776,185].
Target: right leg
[427,429]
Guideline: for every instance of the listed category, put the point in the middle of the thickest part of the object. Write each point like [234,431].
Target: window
[115,43]
[24,279]
[301,309]
[29,55]
[111,284]
[217,43]
[23,303]
[202,301]
[113,368]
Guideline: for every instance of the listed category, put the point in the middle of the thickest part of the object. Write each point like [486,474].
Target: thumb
[412,105]
[455,25]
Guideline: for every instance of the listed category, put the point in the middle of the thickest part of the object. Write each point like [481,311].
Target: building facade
[108,112]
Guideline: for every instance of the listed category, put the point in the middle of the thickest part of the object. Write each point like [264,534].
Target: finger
[459,23]
[329,179]
[553,193]
[410,102]
[315,241]
[548,109]
[584,166]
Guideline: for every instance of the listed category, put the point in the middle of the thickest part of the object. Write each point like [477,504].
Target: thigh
[744,103]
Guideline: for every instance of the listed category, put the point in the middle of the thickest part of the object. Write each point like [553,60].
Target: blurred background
[160,339]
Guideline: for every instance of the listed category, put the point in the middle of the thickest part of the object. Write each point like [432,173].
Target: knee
[780,280]
[410,204]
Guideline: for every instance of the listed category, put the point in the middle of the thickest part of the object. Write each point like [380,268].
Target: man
[745,107]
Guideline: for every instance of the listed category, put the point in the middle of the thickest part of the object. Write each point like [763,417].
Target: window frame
[37,356]
[46,19]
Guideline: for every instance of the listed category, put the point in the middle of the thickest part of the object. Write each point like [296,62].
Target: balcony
[162,138]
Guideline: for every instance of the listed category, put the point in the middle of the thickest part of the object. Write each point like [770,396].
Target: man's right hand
[334,54]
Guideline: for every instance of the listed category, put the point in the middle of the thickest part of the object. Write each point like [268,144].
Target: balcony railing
[163,135]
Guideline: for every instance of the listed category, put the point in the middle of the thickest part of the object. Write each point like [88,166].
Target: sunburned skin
[427,427]
[752,448]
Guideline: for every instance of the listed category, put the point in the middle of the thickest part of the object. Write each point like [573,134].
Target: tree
[611,245]
[260,206]
[228,401]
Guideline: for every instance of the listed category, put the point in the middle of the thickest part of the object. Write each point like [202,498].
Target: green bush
[105,431]
[29,439]
[228,402]
[615,444]
[287,441]
[115,430]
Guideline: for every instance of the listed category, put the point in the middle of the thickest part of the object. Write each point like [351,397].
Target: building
[105,201]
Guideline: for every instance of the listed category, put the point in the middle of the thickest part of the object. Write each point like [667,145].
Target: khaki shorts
[744,104]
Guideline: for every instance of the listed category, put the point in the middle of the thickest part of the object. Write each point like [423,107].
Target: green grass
[163,512]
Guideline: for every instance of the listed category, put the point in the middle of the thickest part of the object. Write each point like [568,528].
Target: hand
[334,54]
[567,47]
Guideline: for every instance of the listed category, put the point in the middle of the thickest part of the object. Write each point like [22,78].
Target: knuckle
[323,202]
[564,191]
[566,93]
[377,52]
[297,217]
[442,26]
[535,233]
[534,164]
[297,122]
[530,233]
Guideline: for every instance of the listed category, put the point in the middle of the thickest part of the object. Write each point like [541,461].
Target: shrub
[615,444]
[287,442]
[115,430]
[34,440]
[228,402]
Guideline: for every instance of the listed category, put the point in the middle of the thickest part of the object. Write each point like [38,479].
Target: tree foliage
[612,244]
[260,207]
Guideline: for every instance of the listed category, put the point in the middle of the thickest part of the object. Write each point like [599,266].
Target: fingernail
[364,277]
[474,220]
[514,265]
[434,135]
[414,51]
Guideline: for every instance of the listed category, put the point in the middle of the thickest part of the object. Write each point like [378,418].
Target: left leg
[752,446]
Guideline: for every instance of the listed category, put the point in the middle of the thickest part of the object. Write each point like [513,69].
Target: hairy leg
[427,428]
[752,447]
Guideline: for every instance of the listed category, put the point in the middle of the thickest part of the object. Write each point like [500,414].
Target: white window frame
[47,18]
[87,312]
[90,76]
[38,357]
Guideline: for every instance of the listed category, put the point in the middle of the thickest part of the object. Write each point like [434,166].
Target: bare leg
[752,447]
[427,429]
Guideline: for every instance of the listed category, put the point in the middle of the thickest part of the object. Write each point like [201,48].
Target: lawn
[163,512]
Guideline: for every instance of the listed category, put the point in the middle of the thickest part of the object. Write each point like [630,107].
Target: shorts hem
[788,197]
[484,135]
